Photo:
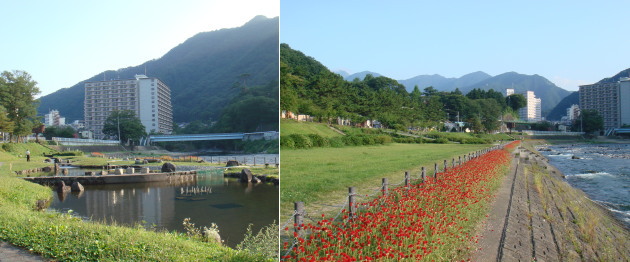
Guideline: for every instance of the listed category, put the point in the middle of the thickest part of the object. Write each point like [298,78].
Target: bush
[319,141]
[301,141]
[287,142]
[70,153]
[441,140]
[264,243]
[383,139]
[336,142]
[352,140]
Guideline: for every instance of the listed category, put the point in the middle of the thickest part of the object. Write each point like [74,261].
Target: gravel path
[537,216]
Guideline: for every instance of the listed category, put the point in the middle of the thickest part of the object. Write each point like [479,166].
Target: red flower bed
[434,220]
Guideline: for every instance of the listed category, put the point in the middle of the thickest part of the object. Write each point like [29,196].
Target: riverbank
[539,216]
[56,236]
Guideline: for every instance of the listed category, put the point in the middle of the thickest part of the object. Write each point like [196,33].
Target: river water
[230,204]
[602,172]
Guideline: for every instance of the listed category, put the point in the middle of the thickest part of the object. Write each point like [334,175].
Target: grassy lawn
[323,175]
[290,127]
[63,237]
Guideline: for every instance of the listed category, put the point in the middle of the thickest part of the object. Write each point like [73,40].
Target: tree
[17,96]
[590,121]
[125,123]
[58,131]
[516,101]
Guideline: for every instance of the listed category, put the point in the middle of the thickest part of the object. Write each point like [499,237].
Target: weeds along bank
[64,237]
[432,220]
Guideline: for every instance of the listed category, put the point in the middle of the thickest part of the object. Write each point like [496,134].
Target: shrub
[383,139]
[287,142]
[336,142]
[441,140]
[70,153]
[301,141]
[352,140]
[319,141]
[264,243]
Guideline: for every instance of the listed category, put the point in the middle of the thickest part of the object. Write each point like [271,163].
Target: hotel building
[607,99]
[148,97]
[532,112]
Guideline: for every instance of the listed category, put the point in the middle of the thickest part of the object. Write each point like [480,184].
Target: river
[602,171]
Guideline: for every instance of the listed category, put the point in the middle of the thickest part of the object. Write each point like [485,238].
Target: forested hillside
[308,87]
[204,73]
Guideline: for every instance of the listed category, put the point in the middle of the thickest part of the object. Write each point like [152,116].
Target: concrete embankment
[537,216]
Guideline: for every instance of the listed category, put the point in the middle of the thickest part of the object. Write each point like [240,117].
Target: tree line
[307,87]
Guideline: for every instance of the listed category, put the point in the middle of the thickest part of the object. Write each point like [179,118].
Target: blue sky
[61,43]
[568,42]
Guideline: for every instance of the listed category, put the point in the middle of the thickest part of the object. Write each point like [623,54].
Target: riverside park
[435,197]
[127,207]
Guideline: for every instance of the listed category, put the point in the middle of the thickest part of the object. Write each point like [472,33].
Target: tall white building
[573,113]
[532,112]
[53,118]
[148,97]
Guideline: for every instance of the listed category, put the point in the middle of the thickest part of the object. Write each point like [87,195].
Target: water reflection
[231,205]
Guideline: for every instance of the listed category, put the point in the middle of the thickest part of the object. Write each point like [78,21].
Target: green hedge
[312,140]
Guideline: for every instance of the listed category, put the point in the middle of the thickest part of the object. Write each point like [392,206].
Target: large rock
[168,167]
[232,163]
[246,176]
[76,187]
[62,188]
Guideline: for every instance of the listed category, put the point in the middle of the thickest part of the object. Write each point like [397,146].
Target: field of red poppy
[434,220]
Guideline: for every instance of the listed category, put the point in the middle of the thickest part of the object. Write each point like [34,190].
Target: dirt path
[10,253]
[539,217]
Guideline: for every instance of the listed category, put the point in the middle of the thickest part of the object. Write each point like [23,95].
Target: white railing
[551,133]
[83,142]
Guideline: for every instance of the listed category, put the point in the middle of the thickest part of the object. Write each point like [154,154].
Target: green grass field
[289,127]
[323,175]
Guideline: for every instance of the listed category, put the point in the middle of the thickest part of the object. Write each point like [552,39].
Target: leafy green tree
[6,125]
[430,91]
[17,96]
[127,123]
[58,131]
[516,101]
[590,121]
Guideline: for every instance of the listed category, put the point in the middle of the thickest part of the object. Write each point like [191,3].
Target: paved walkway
[10,253]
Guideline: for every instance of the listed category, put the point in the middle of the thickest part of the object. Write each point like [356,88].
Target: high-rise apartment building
[532,112]
[53,118]
[608,99]
[148,97]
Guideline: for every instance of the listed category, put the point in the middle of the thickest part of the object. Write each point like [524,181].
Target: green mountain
[443,83]
[561,109]
[204,73]
[548,92]
[615,78]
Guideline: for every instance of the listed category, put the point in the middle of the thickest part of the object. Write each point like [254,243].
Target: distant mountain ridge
[548,92]
[201,72]
[443,83]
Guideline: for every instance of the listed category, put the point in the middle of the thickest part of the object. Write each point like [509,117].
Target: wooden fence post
[299,215]
[460,160]
[424,174]
[445,165]
[436,170]
[385,188]
[352,208]
[407,178]
[453,162]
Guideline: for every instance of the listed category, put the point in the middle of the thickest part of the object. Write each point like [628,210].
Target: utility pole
[118,118]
